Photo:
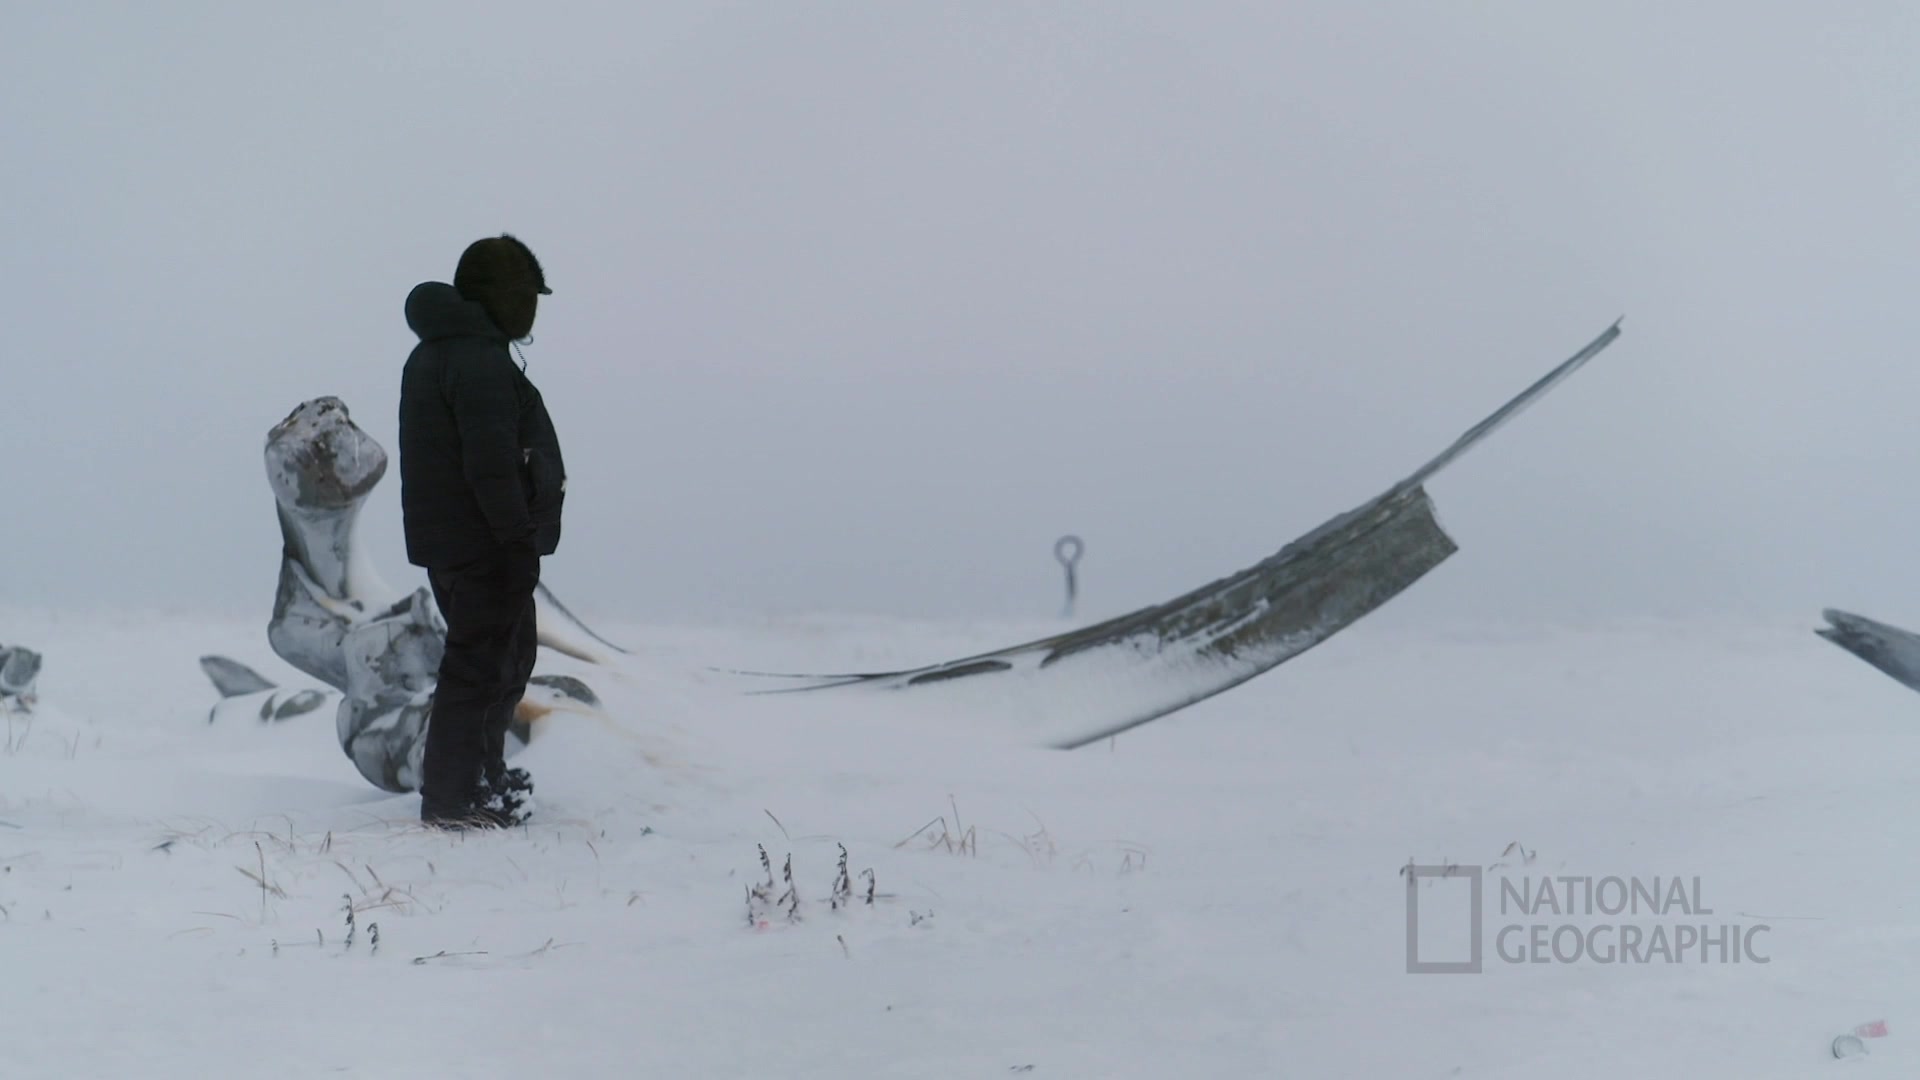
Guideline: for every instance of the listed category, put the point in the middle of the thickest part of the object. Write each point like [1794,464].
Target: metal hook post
[1068,550]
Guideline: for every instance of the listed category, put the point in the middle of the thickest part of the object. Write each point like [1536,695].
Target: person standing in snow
[481,486]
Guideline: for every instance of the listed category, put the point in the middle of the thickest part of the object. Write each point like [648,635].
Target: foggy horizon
[858,308]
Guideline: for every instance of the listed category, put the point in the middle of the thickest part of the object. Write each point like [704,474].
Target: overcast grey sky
[858,307]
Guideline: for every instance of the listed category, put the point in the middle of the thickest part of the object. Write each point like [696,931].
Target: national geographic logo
[1567,920]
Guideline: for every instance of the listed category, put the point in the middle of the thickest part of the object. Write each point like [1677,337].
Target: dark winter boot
[463,814]
[509,791]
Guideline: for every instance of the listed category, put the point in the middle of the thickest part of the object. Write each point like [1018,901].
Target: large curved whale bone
[1079,687]
[1889,648]
[336,620]
[321,466]
[392,661]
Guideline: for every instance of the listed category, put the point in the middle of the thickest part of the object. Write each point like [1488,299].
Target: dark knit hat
[501,275]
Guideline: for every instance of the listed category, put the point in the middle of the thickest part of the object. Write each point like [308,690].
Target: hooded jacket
[481,474]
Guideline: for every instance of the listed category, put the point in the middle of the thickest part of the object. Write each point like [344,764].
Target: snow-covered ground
[1217,894]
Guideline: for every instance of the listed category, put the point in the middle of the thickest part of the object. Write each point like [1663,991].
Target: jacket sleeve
[486,409]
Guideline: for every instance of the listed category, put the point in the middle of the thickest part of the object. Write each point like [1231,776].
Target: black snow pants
[488,606]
